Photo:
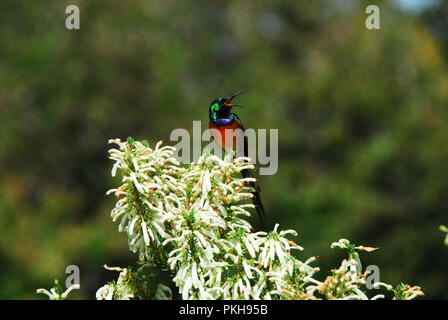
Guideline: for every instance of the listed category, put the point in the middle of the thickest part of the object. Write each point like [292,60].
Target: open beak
[228,100]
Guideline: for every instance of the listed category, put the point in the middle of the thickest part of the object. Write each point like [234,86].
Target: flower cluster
[189,227]
[57,293]
[347,281]
[191,222]
[142,282]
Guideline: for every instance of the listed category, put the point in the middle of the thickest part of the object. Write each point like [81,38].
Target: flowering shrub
[190,223]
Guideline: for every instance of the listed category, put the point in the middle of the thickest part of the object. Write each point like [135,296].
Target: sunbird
[224,127]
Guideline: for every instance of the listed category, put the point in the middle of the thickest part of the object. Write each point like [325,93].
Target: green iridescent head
[220,107]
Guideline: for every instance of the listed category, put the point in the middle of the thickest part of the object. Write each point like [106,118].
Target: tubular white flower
[145,233]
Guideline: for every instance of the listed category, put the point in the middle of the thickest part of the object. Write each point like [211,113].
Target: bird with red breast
[227,131]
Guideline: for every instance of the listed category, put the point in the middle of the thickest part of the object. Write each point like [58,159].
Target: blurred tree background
[362,118]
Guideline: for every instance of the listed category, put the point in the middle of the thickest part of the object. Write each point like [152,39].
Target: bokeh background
[362,118]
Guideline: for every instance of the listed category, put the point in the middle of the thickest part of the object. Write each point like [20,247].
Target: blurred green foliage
[362,118]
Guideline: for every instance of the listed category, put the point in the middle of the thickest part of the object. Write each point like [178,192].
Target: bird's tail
[256,196]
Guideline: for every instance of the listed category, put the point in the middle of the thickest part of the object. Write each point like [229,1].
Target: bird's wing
[240,126]
[238,121]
